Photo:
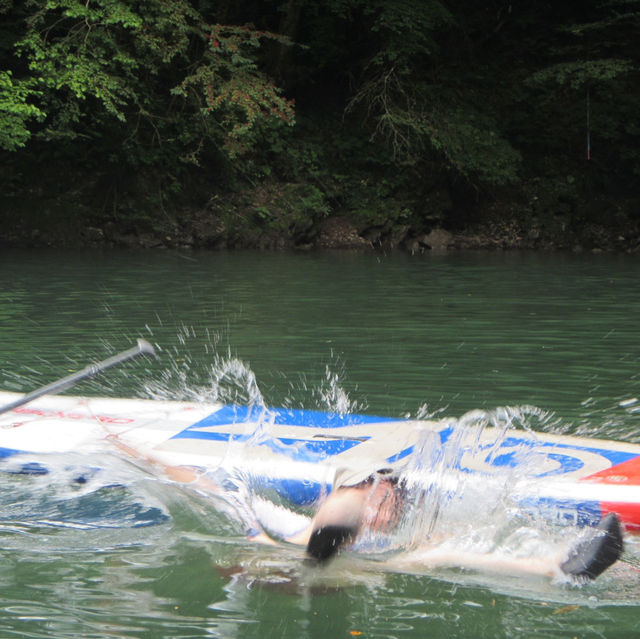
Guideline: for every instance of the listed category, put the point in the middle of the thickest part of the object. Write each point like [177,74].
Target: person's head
[382,499]
[359,501]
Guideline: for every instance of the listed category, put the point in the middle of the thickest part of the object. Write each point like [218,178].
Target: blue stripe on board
[302,493]
[513,450]
[568,463]
[28,468]
[557,511]
[444,435]
[296,449]
[563,511]
[286,417]
[9,452]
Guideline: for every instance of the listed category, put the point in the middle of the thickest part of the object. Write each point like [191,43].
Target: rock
[373,234]
[396,236]
[340,233]
[437,240]
[93,234]
[150,240]
[207,230]
[413,245]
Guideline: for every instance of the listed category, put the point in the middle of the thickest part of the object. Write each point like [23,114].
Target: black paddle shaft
[143,348]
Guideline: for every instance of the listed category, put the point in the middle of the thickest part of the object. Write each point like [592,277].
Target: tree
[395,99]
[16,112]
[590,83]
[149,83]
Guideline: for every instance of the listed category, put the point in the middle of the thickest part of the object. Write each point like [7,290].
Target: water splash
[442,496]
[448,504]
[331,395]
[75,496]
[227,380]
[615,418]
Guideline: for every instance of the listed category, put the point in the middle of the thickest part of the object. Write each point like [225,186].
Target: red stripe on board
[624,474]
[627,473]
[629,514]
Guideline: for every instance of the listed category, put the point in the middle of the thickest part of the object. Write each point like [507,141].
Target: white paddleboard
[298,452]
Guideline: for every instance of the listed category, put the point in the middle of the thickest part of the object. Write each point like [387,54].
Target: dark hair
[385,474]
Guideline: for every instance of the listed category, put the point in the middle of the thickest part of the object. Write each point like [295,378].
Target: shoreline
[242,221]
[333,233]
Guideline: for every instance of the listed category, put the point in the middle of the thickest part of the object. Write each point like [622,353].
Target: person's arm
[196,479]
[180,474]
[335,523]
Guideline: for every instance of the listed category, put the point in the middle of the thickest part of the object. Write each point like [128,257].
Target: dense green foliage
[409,113]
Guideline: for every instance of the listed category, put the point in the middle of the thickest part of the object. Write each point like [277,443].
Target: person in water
[375,503]
[372,503]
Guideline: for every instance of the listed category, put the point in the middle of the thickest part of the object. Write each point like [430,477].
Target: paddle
[143,348]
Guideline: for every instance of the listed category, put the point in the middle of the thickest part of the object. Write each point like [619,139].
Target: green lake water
[385,334]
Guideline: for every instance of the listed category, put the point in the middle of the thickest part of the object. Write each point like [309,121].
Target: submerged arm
[180,474]
[196,479]
[335,523]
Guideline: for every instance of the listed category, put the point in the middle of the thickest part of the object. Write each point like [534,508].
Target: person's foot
[592,557]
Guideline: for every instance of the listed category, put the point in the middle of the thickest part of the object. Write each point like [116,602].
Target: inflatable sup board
[299,452]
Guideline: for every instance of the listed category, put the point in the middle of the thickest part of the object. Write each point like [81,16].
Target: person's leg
[489,562]
[586,560]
